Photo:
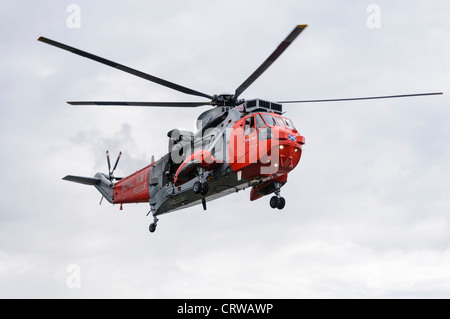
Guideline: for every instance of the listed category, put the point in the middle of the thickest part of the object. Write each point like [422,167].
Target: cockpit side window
[290,124]
[249,125]
[259,122]
[269,119]
[217,147]
[280,121]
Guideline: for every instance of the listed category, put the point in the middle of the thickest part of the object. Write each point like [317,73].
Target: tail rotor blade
[117,161]
[109,163]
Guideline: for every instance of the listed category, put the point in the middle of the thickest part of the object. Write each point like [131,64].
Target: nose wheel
[277,201]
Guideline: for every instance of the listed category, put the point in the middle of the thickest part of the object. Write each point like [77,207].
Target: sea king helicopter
[238,144]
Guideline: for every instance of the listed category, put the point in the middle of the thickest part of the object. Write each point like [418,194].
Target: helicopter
[239,144]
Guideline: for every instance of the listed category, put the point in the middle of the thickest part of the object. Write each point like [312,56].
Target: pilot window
[290,124]
[249,125]
[217,149]
[259,122]
[270,120]
[281,122]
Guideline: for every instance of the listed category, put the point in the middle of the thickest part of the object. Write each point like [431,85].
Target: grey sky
[367,211]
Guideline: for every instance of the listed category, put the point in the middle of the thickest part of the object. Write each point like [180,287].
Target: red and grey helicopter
[238,144]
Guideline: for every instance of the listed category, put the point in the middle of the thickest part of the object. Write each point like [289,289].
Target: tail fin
[82,180]
[100,181]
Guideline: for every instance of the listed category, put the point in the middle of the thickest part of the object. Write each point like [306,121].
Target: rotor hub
[225,99]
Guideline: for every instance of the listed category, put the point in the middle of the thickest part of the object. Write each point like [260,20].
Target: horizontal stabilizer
[82,180]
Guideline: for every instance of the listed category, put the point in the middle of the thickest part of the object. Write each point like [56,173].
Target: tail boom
[130,189]
[133,188]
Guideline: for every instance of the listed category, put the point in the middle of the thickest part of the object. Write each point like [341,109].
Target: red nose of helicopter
[283,140]
[289,150]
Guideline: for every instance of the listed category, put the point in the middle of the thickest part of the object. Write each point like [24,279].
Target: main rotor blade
[153,104]
[362,98]
[268,62]
[125,68]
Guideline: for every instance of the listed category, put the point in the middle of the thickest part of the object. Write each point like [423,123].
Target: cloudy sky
[368,208]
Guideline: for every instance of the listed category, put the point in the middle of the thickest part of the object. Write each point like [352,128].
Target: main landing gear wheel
[281,203]
[274,202]
[200,188]
[277,202]
[197,188]
[205,189]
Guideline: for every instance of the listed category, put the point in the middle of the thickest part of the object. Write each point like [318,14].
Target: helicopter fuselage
[248,148]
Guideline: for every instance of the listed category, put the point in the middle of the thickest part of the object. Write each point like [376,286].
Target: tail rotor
[111,172]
